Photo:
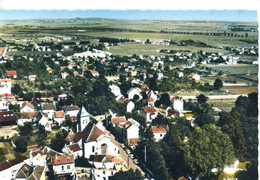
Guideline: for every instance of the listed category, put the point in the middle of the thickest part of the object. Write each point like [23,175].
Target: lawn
[240,89]
[224,105]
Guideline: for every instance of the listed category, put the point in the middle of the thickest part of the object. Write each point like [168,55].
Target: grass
[241,89]
[224,105]
[236,69]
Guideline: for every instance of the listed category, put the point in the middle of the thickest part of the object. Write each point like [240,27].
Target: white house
[149,113]
[4,105]
[194,76]
[129,105]
[49,109]
[83,118]
[63,164]
[27,107]
[177,103]
[159,132]
[115,90]
[24,117]
[44,121]
[5,86]
[132,132]
[72,111]
[134,91]
[59,117]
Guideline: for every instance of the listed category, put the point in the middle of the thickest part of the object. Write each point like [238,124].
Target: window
[62,168]
[68,166]
[93,148]
[160,135]
[104,172]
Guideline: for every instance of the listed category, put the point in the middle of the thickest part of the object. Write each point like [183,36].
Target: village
[77,111]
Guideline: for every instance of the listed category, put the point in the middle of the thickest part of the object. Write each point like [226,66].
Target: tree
[165,99]
[202,98]
[41,136]
[26,129]
[204,118]
[59,141]
[208,147]
[16,89]
[127,175]
[21,143]
[154,158]
[218,84]
[233,128]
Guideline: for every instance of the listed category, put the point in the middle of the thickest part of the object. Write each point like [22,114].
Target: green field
[236,69]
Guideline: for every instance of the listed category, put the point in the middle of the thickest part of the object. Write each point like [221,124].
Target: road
[127,160]
[228,96]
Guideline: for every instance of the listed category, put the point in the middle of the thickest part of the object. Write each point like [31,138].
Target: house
[30,172]
[94,73]
[177,103]
[94,141]
[180,74]
[115,90]
[74,149]
[118,120]
[59,117]
[194,76]
[104,166]
[7,118]
[159,132]
[132,92]
[49,109]
[72,111]
[149,113]
[11,74]
[4,105]
[24,117]
[64,75]
[8,169]
[27,107]
[63,165]
[132,132]
[129,105]
[150,101]
[5,86]
[32,77]
[44,121]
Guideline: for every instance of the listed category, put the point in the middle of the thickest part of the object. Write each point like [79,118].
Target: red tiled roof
[72,108]
[133,142]
[173,99]
[110,158]
[118,119]
[59,114]
[173,112]
[11,73]
[22,115]
[26,103]
[24,172]
[149,109]
[5,80]
[163,106]
[8,164]
[57,160]
[37,173]
[192,74]
[150,99]
[156,129]
[182,178]
[74,147]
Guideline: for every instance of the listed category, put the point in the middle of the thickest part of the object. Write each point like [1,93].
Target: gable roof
[23,115]
[48,106]
[160,129]
[57,160]
[149,109]
[118,119]
[74,147]
[89,133]
[133,142]
[72,108]
[59,114]
[24,172]
[37,173]
[26,103]
[8,164]
[11,73]
[150,99]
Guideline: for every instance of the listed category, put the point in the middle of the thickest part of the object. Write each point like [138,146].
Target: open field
[224,105]
[236,69]
[241,89]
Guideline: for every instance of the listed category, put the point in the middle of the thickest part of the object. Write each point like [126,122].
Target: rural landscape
[100,98]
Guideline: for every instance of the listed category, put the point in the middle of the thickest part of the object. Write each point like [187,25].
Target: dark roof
[72,108]
[74,147]
[6,165]
[24,172]
[22,115]
[48,106]
[7,116]
[37,173]
[96,158]
[89,133]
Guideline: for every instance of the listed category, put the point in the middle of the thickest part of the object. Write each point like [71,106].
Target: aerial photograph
[129,94]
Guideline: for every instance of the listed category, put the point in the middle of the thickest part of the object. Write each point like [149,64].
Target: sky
[209,15]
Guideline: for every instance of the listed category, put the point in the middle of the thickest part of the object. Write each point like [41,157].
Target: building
[63,166]
[159,132]
[27,107]
[48,108]
[5,86]
[7,118]
[11,74]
